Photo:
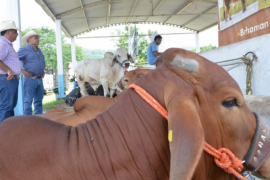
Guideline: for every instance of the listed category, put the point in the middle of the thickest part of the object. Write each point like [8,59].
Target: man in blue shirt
[152,51]
[33,70]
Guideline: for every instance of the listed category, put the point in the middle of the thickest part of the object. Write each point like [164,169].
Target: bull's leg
[229,16]
[227,10]
[95,88]
[105,87]
[112,93]
[225,15]
[244,5]
[83,90]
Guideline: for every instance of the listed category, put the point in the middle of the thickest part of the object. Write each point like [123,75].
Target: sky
[33,16]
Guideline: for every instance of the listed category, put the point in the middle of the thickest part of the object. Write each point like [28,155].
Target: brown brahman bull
[89,107]
[227,7]
[130,139]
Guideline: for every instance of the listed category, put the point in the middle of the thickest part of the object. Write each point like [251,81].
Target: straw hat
[28,35]
[6,25]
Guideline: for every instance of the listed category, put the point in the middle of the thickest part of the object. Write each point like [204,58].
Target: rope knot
[224,158]
[228,161]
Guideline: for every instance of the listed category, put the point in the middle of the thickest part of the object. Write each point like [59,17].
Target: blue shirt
[151,58]
[32,60]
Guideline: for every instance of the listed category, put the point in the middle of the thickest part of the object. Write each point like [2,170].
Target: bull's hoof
[244,10]
[107,95]
[230,18]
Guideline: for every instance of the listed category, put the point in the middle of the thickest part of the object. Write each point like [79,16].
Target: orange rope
[224,158]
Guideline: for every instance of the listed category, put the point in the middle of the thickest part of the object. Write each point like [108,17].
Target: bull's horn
[186,64]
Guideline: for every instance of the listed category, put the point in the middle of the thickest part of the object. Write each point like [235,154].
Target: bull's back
[89,68]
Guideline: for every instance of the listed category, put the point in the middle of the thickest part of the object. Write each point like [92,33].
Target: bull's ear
[186,138]
[130,58]
[120,84]
[114,60]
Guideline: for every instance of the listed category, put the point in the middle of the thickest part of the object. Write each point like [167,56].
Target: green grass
[236,9]
[50,101]
[264,3]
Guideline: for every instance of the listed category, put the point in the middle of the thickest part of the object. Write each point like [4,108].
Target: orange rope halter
[224,158]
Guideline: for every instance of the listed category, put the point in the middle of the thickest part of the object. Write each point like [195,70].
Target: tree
[95,54]
[143,42]
[47,45]
[205,48]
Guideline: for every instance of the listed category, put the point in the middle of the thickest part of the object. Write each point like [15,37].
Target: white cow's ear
[186,64]
[114,59]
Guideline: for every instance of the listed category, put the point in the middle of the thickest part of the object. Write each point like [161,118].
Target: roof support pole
[13,13]
[197,42]
[73,56]
[60,69]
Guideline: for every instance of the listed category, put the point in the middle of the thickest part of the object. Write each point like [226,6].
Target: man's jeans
[8,97]
[33,89]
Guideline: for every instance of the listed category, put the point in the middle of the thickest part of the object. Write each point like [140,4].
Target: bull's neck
[135,137]
[118,72]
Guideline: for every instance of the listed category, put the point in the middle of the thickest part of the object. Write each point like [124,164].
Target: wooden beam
[156,8]
[132,9]
[53,17]
[156,15]
[108,13]
[85,19]
[203,29]
[80,8]
[179,10]
[204,13]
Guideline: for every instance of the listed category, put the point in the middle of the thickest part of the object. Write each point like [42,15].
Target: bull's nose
[126,65]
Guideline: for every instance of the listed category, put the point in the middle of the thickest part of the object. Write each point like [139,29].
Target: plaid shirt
[9,56]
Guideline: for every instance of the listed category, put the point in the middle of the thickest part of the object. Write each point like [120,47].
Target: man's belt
[15,76]
[36,76]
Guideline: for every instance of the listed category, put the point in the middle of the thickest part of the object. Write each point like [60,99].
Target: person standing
[33,66]
[152,51]
[10,69]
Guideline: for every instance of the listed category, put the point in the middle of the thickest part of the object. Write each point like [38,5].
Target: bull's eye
[126,80]
[230,103]
[118,56]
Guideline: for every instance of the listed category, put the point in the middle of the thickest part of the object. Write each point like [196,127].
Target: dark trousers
[8,97]
[33,91]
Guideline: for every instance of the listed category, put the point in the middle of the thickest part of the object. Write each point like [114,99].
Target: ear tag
[170,136]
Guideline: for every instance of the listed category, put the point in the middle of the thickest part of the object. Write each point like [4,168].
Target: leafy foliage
[47,45]
[95,54]
[205,48]
[143,42]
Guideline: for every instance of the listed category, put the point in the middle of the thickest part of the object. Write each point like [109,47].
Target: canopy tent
[75,17]
[81,16]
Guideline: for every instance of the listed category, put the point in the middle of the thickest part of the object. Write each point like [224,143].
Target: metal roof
[80,16]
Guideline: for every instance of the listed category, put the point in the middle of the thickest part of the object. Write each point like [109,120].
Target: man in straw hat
[33,69]
[10,68]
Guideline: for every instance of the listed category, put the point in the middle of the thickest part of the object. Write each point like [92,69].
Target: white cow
[107,71]
[108,55]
